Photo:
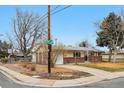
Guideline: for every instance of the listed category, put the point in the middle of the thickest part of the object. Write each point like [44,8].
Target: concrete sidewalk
[97,72]
[31,81]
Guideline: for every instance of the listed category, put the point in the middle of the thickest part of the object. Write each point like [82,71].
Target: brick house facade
[67,55]
[79,55]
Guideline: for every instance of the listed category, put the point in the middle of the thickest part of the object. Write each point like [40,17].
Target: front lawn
[40,71]
[112,67]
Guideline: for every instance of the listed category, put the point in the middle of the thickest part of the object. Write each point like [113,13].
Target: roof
[69,48]
[82,49]
[37,47]
[16,52]
[13,50]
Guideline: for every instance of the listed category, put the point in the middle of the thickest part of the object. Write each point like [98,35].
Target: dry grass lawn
[112,67]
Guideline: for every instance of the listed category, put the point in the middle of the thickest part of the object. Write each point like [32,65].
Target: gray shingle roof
[82,49]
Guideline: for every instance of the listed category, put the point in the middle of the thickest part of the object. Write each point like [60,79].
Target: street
[114,83]
[5,82]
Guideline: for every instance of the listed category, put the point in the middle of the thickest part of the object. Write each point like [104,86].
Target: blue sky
[69,26]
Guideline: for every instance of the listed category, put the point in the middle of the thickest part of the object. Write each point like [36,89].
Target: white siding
[34,58]
[60,59]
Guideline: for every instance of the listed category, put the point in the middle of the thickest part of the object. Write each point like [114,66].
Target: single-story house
[17,55]
[66,54]
[119,56]
[81,54]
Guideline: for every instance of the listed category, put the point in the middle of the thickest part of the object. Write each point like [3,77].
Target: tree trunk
[52,65]
[114,56]
[110,54]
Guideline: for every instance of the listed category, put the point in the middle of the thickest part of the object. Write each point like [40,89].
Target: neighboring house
[64,55]
[16,54]
[119,56]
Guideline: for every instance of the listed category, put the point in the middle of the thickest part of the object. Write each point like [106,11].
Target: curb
[56,84]
[14,79]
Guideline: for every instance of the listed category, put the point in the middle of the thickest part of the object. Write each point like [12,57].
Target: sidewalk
[97,72]
[31,81]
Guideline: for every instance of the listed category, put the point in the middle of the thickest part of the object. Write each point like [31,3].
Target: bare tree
[27,28]
[10,42]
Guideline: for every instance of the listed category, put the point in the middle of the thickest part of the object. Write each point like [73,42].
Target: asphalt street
[5,82]
[114,83]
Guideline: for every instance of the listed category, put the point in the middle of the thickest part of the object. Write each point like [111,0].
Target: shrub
[23,64]
[31,67]
[4,60]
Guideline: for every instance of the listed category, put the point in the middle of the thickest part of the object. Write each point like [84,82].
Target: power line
[61,9]
[55,8]
[57,11]
[46,14]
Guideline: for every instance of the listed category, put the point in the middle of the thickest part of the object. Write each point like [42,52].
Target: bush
[27,65]
[31,67]
[23,64]
[4,60]
[3,54]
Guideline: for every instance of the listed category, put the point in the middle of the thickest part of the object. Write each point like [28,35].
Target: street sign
[48,42]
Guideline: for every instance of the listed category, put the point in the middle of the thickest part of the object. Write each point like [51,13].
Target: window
[76,54]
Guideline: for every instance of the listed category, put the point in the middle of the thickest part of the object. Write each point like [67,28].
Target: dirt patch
[40,71]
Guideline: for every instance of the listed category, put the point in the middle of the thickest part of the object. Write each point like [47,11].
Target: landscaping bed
[112,67]
[40,71]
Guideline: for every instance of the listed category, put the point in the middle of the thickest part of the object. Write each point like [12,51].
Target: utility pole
[49,45]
